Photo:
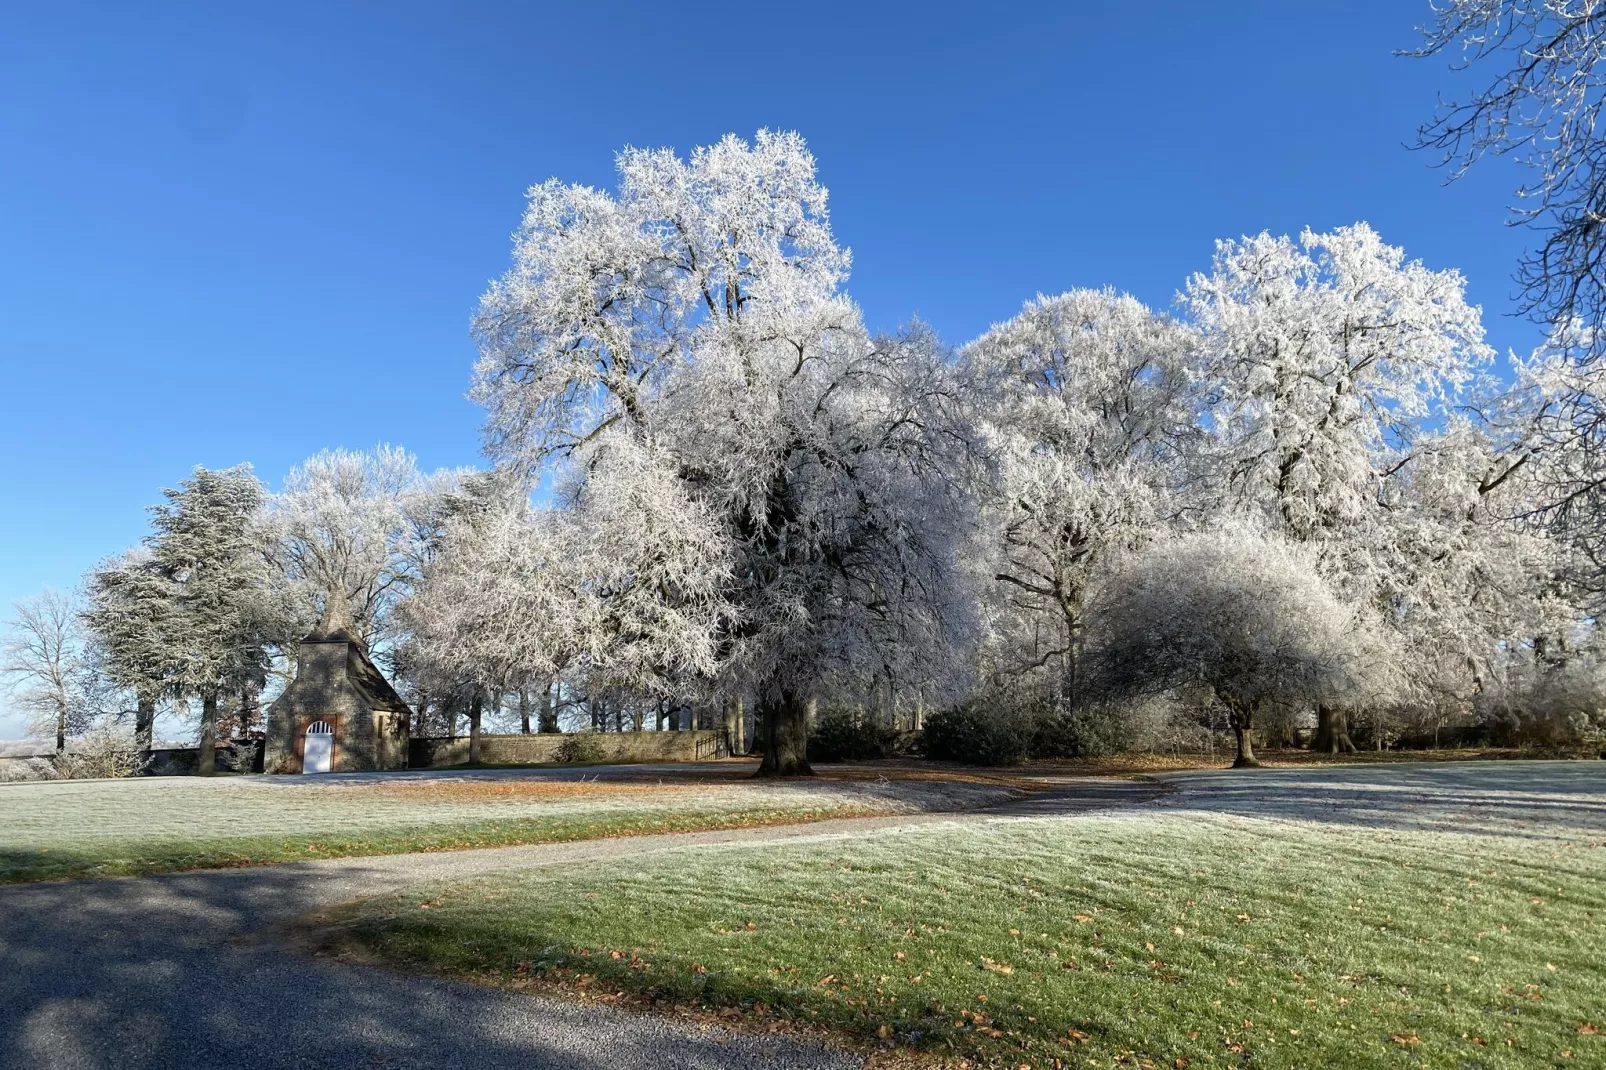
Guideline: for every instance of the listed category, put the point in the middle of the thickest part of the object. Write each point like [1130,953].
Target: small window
[319,728]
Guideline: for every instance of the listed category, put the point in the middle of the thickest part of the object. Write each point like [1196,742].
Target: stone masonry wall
[435,752]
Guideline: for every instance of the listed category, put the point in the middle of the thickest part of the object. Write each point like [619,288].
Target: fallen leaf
[1406,1039]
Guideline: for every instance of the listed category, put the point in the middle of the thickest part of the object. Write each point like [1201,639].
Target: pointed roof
[338,626]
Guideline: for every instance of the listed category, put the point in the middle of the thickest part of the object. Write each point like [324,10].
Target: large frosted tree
[347,524]
[1084,401]
[1537,71]
[1335,373]
[691,329]
[209,547]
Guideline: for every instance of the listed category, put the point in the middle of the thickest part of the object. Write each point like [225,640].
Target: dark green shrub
[844,736]
[977,735]
[1084,733]
[579,748]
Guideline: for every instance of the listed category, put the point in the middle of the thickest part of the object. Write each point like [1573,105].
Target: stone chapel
[340,714]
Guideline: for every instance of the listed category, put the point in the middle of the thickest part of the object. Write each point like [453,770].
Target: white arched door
[318,748]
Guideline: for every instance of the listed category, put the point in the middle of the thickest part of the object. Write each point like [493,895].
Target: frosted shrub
[104,752]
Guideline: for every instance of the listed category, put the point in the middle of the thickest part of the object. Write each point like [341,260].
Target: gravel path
[183,970]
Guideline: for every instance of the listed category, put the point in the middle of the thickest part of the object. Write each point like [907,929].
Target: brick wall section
[435,752]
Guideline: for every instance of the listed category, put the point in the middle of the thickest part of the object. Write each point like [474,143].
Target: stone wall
[435,752]
[180,761]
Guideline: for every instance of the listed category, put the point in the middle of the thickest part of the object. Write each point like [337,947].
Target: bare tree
[43,660]
[1543,105]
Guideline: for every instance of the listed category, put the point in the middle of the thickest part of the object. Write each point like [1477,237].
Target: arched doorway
[318,748]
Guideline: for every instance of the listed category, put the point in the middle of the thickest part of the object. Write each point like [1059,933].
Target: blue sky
[232,234]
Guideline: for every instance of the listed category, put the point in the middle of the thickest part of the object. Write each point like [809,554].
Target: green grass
[136,857]
[1168,938]
[71,829]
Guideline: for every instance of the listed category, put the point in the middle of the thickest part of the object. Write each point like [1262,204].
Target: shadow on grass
[1523,799]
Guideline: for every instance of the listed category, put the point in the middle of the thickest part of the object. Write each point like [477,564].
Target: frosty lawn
[126,827]
[1295,923]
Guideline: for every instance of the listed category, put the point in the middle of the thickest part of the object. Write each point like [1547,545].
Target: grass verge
[1144,938]
[131,859]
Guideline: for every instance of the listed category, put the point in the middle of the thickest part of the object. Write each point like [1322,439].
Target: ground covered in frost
[158,824]
[1448,916]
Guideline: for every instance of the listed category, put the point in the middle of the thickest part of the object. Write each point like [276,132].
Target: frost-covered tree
[210,547]
[491,611]
[43,662]
[1333,371]
[1555,418]
[128,607]
[1084,400]
[1246,616]
[1322,360]
[346,523]
[689,335]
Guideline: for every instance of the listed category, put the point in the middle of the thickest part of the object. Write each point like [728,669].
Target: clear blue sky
[231,235]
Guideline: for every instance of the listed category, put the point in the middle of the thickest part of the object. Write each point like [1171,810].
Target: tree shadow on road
[182,971]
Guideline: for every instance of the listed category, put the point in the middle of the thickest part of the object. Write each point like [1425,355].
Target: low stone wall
[181,761]
[434,752]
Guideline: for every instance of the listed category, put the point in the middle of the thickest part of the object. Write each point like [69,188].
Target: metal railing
[713,746]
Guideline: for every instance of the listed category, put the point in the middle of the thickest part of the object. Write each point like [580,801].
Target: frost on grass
[66,815]
[1304,925]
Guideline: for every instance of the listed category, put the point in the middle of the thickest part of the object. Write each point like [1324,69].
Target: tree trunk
[549,707]
[206,760]
[1243,723]
[783,735]
[61,729]
[1332,732]
[476,707]
[524,711]
[734,743]
[144,724]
